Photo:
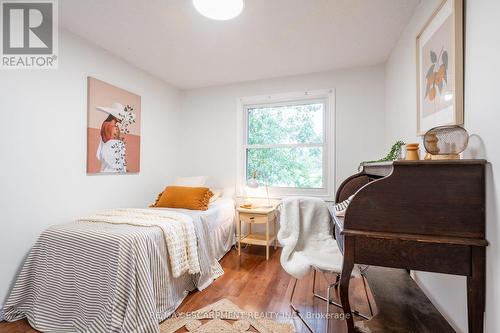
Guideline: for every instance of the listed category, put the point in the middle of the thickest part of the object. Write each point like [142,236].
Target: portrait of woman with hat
[111,151]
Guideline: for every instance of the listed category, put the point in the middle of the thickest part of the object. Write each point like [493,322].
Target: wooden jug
[412,152]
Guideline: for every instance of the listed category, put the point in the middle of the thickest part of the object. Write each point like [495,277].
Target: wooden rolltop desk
[416,215]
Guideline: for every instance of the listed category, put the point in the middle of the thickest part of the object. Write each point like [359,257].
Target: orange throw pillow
[194,198]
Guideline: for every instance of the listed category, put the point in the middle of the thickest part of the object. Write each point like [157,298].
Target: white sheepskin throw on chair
[306,233]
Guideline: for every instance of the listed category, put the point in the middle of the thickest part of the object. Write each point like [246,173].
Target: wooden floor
[257,285]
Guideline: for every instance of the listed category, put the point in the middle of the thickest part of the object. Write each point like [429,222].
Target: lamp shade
[253,183]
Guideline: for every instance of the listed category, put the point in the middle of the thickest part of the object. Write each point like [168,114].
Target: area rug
[223,316]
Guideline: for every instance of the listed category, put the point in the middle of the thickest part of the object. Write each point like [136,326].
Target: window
[286,141]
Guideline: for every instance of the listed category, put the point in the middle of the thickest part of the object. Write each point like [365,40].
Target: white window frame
[327,96]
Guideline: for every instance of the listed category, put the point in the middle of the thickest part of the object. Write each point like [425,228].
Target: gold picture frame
[440,72]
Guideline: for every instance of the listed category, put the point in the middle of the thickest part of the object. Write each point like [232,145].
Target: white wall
[43,177]
[401,76]
[209,126]
[482,119]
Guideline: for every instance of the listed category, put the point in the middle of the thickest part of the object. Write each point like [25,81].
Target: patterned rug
[223,317]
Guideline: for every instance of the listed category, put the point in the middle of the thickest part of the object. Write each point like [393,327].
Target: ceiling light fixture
[219,9]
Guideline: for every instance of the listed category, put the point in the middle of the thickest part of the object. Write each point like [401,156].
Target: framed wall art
[440,68]
[113,129]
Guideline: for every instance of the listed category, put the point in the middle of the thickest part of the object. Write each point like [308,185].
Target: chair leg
[293,290]
[328,304]
[329,300]
[335,285]
[297,312]
[314,281]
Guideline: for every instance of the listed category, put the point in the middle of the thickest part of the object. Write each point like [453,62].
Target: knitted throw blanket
[178,231]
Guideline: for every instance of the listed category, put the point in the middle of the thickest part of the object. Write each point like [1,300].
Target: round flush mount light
[219,9]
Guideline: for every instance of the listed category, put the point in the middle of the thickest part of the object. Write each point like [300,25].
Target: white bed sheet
[220,217]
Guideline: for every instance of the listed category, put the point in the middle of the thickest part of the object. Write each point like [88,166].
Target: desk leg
[476,290]
[345,279]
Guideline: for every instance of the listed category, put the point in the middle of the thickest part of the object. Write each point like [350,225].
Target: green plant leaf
[393,154]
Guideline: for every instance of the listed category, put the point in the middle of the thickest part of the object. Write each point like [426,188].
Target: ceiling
[271,38]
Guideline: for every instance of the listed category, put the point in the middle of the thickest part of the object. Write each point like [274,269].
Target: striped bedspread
[104,277]
[177,228]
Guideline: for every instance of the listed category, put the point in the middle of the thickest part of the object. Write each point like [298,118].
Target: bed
[115,277]
[220,219]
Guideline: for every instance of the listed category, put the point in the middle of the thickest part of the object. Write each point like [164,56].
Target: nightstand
[254,216]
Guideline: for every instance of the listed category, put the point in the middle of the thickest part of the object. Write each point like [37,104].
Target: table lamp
[254,183]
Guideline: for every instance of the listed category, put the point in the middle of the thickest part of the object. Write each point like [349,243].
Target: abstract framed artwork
[440,71]
[113,129]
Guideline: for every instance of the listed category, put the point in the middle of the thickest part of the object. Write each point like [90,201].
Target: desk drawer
[412,255]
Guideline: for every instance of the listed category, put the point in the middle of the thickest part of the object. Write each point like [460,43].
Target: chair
[313,259]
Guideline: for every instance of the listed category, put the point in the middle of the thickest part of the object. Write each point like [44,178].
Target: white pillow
[191,181]
[228,192]
[217,194]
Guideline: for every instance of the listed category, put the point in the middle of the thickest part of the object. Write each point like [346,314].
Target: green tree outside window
[285,145]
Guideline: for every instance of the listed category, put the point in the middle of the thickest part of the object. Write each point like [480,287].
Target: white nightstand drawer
[250,218]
